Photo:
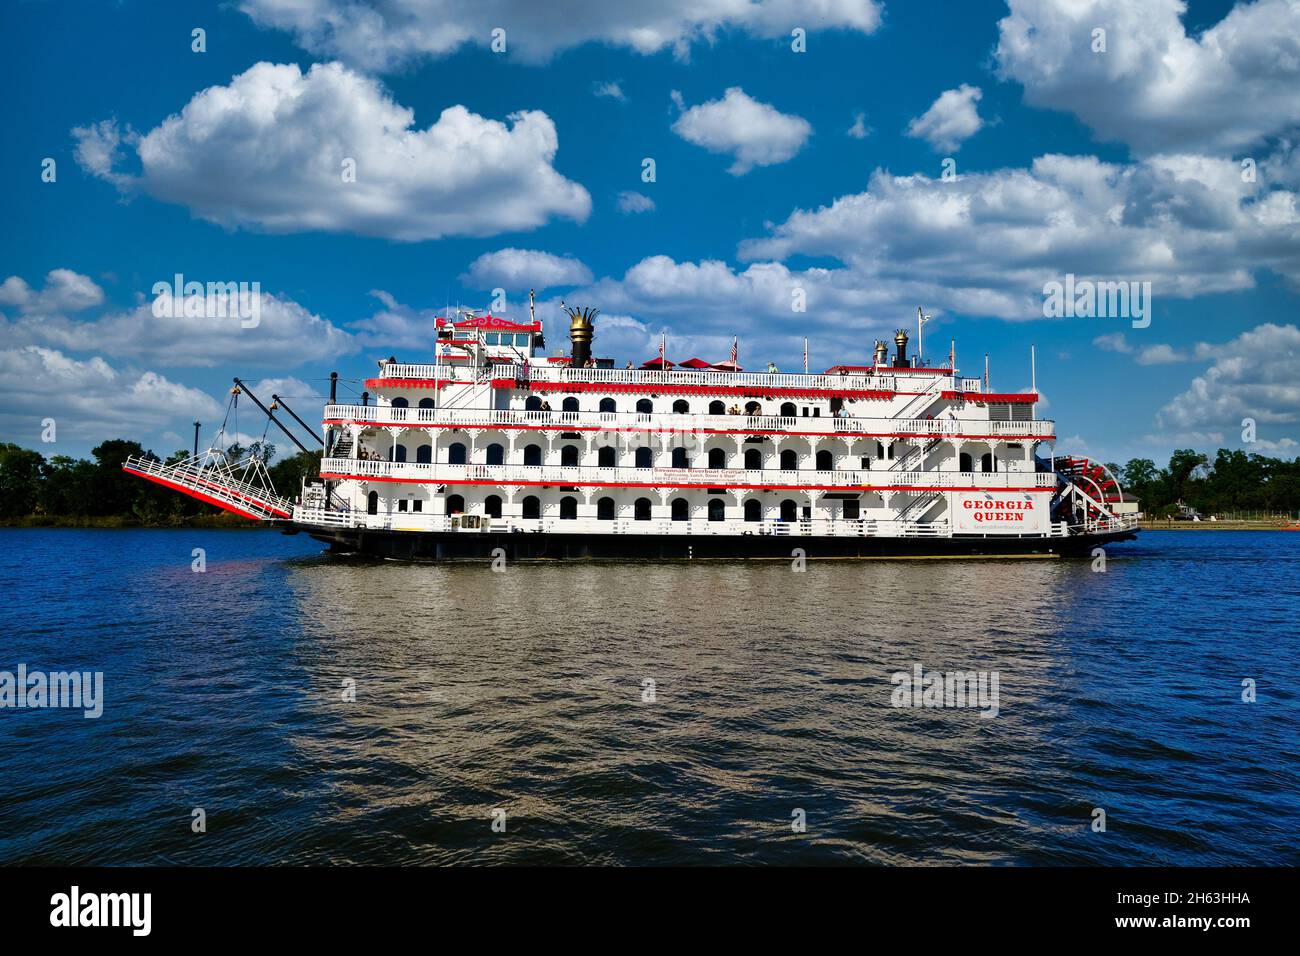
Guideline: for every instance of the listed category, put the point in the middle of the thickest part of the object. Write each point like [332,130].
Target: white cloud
[859,129]
[1253,376]
[611,90]
[757,134]
[64,291]
[951,119]
[1155,87]
[630,202]
[268,151]
[1157,354]
[89,400]
[518,269]
[386,36]
[396,326]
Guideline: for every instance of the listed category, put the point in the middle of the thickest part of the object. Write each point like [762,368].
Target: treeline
[1232,482]
[77,491]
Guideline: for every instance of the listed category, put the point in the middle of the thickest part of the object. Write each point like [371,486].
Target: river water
[323,711]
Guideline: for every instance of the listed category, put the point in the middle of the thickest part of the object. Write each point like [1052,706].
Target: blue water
[523,691]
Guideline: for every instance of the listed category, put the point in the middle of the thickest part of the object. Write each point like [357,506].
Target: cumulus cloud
[64,291]
[951,119]
[89,400]
[1157,354]
[610,90]
[1253,376]
[757,134]
[276,149]
[859,129]
[630,202]
[389,35]
[516,269]
[1154,87]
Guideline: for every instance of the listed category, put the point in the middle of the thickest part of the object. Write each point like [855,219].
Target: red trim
[660,484]
[706,431]
[986,398]
[489,323]
[674,389]
[223,505]
[887,370]
[378,383]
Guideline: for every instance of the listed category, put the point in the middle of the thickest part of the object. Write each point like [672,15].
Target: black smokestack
[582,329]
[900,341]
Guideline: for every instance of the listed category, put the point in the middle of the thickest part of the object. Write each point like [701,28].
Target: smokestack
[582,329]
[334,386]
[900,340]
[196,439]
[882,352]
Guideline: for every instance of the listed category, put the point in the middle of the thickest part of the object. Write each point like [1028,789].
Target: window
[645,406]
[988,462]
[456,454]
[568,508]
[401,505]
[965,462]
[753,510]
[789,510]
[496,454]
[372,503]
[681,509]
[521,339]
[608,405]
[426,403]
[825,461]
[492,506]
[455,505]
[400,403]
[645,457]
[787,410]
[570,404]
[754,460]
[417,505]
[533,403]
[492,338]
[753,408]
[717,458]
[606,457]
[679,458]
[399,453]
[605,509]
[424,454]
[789,460]
[717,408]
[532,507]
[533,455]
[852,508]
[569,456]
[717,509]
[681,407]
[641,509]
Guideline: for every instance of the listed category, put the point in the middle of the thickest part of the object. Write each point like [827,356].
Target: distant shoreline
[1214,526]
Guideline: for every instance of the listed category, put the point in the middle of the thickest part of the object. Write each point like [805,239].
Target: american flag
[735,351]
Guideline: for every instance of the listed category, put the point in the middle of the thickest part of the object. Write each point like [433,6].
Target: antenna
[1033,370]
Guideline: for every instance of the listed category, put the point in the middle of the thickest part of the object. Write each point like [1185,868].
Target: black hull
[469,546]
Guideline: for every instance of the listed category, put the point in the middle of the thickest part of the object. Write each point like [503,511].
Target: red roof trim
[489,323]
[1000,398]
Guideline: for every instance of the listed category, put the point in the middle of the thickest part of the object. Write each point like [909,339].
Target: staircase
[243,488]
[343,446]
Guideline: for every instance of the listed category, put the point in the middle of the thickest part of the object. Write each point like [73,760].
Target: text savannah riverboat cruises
[497,450]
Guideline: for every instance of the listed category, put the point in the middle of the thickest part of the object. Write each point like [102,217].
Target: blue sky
[1117,165]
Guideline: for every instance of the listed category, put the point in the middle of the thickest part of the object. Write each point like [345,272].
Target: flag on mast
[735,351]
[805,355]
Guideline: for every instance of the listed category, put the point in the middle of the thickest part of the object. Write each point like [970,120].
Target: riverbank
[1275,525]
[219,520]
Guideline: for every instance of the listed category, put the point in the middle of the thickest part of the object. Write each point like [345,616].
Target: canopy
[694,363]
[657,362]
[727,367]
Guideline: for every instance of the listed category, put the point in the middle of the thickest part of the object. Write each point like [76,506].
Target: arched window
[533,455]
[456,454]
[455,505]
[681,509]
[717,458]
[570,404]
[789,460]
[496,454]
[372,503]
[988,462]
[753,408]
[644,406]
[641,509]
[789,510]
[753,510]
[717,408]
[754,459]
[424,454]
[788,409]
[492,506]
[400,403]
[645,457]
[532,507]
[606,456]
[965,462]
[608,405]
[717,509]
[533,403]
[426,403]
[825,461]
[605,509]
[399,453]
[679,458]
[568,508]
[681,407]
[569,456]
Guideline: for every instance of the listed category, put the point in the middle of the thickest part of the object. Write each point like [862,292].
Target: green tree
[20,480]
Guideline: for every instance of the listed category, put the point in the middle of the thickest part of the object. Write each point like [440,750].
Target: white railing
[478,524]
[678,477]
[388,416]
[211,475]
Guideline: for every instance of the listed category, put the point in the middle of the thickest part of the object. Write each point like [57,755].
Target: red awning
[659,363]
[694,363]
